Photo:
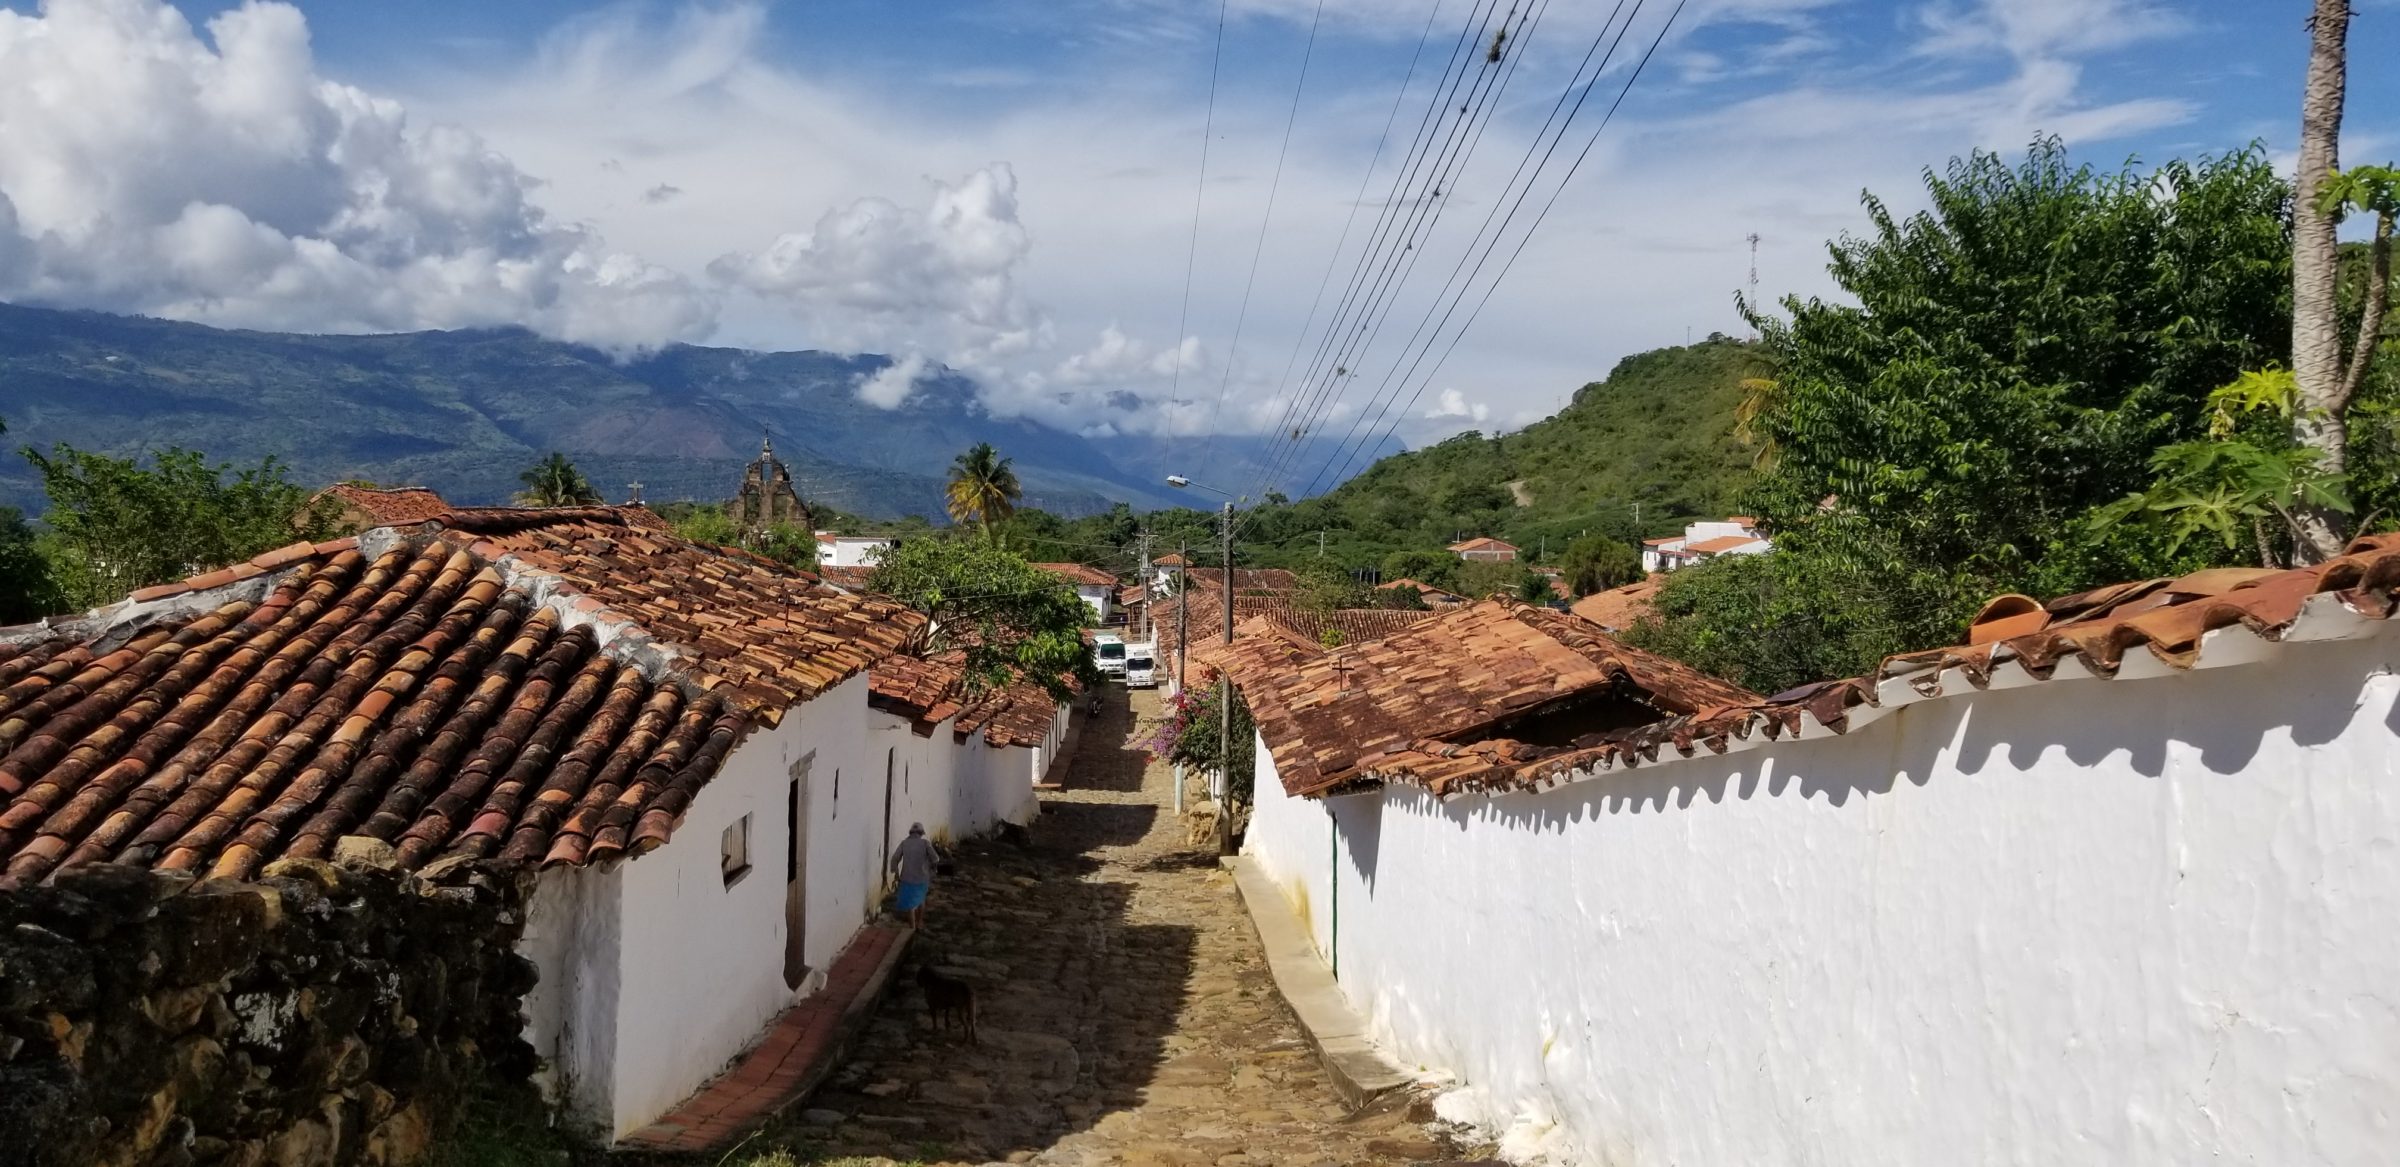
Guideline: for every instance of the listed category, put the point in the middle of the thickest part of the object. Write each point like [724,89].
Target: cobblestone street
[1127,1015]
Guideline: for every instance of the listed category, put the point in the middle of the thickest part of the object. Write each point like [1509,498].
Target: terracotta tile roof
[1079,573]
[1744,520]
[1246,580]
[1618,609]
[435,690]
[1430,593]
[854,578]
[1662,541]
[1482,543]
[1356,625]
[772,634]
[2146,628]
[1369,710]
[1722,544]
[382,506]
[931,691]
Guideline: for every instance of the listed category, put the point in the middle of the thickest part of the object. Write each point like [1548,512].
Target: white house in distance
[1485,549]
[1092,585]
[677,738]
[1737,535]
[2114,882]
[851,550]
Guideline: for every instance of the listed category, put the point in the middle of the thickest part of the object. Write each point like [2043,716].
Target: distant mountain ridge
[463,412]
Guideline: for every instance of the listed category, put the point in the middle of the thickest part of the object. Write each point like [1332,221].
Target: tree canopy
[983,488]
[116,525]
[1011,619]
[555,482]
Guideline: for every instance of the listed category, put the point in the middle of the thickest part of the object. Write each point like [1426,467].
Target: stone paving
[1126,1012]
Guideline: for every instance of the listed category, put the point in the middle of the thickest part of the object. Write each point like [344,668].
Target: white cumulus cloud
[146,168]
[1455,404]
[891,386]
[874,273]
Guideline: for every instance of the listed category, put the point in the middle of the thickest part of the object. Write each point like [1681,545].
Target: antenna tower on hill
[1753,302]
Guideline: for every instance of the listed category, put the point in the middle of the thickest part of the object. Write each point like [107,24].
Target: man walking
[913,860]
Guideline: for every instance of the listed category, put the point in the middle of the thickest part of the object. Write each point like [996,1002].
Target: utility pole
[1320,544]
[1183,604]
[1141,543]
[1637,520]
[1225,701]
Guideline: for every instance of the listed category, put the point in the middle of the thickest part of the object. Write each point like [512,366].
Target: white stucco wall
[2130,921]
[572,935]
[702,962]
[958,789]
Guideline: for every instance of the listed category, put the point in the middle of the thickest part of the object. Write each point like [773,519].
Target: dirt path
[1127,1014]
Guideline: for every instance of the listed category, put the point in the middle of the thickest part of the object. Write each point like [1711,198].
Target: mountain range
[464,412]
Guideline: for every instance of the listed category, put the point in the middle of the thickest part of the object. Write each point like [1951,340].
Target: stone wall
[321,1015]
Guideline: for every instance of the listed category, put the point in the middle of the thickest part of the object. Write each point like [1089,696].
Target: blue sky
[1008,187]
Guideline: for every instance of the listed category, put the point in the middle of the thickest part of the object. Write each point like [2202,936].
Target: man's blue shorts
[912,895]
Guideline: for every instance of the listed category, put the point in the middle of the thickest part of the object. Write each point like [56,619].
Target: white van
[1140,666]
[1108,652]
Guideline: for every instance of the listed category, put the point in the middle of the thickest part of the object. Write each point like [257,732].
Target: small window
[733,854]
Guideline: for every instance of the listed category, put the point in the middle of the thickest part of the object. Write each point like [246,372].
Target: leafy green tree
[555,482]
[1325,585]
[1011,619]
[1432,568]
[705,524]
[1534,588]
[983,488]
[2014,357]
[1596,563]
[1482,579]
[26,591]
[117,526]
[2319,420]
[1773,622]
[1404,597]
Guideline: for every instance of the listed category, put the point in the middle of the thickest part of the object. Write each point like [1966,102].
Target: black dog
[948,999]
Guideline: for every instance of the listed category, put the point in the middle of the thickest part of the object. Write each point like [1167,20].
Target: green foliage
[1404,597]
[1326,585]
[2015,357]
[1193,733]
[555,482]
[2235,492]
[983,488]
[1011,619]
[1431,568]
[116,526]
[1773,622]
[1481,579]
[1596,563]
[703,523]
[26,589]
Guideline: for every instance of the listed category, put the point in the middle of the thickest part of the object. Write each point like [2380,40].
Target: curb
[1360,1072]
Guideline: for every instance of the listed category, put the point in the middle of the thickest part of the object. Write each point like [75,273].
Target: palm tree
[2321,422]
[983,490]
[555,482]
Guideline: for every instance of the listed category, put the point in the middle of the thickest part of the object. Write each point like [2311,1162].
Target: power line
[1335,359]
[1370,329]
[1357,321]
[1242,315]
[1420,148]
[1334,260]
[1544,213]
[1191,255]
[1451,282]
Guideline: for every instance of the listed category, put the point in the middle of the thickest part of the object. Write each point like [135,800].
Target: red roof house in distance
[1737,535]
[1485,549]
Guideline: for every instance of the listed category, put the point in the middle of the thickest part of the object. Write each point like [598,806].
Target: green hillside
[1657,432]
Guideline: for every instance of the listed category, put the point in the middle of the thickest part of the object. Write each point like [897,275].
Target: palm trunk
[2320,421]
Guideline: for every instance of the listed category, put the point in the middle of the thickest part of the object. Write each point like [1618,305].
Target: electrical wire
[1451,287]
[1191,255]
[1593,140]
[1275,184]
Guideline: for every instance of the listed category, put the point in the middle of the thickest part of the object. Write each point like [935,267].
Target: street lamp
[1224,676]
